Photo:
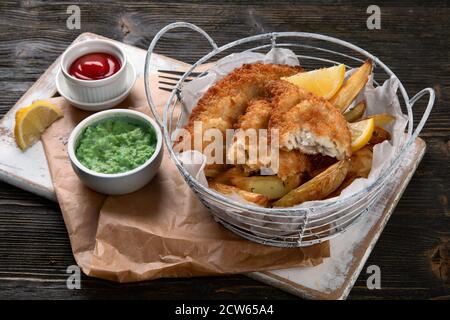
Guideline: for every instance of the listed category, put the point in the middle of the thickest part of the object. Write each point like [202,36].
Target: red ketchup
[94,66]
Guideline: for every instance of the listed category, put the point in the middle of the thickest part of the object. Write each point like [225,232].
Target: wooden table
[413,251]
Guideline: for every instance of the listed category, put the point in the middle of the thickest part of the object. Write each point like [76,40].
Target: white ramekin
[94,91]
[117,183]
[61,86]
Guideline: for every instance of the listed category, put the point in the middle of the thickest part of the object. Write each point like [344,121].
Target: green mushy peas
[115,145]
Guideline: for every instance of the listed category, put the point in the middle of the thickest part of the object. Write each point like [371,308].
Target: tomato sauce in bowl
[95,66]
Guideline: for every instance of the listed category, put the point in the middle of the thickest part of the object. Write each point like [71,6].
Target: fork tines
[169,81]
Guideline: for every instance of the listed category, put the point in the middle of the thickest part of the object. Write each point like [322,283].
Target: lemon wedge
[361,132]
[32,120]
[323,82]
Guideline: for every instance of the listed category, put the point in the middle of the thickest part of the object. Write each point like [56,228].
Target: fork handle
[149,57]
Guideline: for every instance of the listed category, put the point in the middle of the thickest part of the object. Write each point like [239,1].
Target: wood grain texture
[34,246]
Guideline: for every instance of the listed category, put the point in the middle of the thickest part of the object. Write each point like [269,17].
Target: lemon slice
[321,82]
[31,121]
[361,132]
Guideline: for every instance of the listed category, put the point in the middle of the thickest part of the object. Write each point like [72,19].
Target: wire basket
[285,227]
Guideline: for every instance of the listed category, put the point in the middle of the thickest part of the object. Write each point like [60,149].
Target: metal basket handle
[149,56]
[427,112]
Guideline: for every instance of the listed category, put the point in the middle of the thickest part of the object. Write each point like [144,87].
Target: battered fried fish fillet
[256,117]
[292,163]
[307,123]
[283,96]
[315,126]
[223,103]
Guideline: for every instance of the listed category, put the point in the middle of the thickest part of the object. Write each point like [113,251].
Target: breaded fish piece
[223,104]
[315,126]
[317,130]
[283,95]
[256,117]
[292,163]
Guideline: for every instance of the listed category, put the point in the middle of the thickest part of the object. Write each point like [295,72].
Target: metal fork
[167,79]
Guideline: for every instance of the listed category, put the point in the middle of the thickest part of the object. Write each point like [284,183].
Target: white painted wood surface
[331,280]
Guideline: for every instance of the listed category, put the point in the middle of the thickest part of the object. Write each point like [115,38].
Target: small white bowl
[64,90]
[94,91]
[117,183]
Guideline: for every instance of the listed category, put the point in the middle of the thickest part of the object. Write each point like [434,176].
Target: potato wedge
[360,166]
[225,177]
[350,89]
[270,186]
[361,163]
[356,113]
[255,198]
[379,135]
[318,187]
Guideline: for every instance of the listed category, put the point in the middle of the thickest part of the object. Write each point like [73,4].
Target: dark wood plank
[412,251]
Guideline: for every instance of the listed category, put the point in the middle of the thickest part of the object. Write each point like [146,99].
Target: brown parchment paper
[159,231]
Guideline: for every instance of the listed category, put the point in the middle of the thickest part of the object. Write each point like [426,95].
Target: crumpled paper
[159,231]
[381,99]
